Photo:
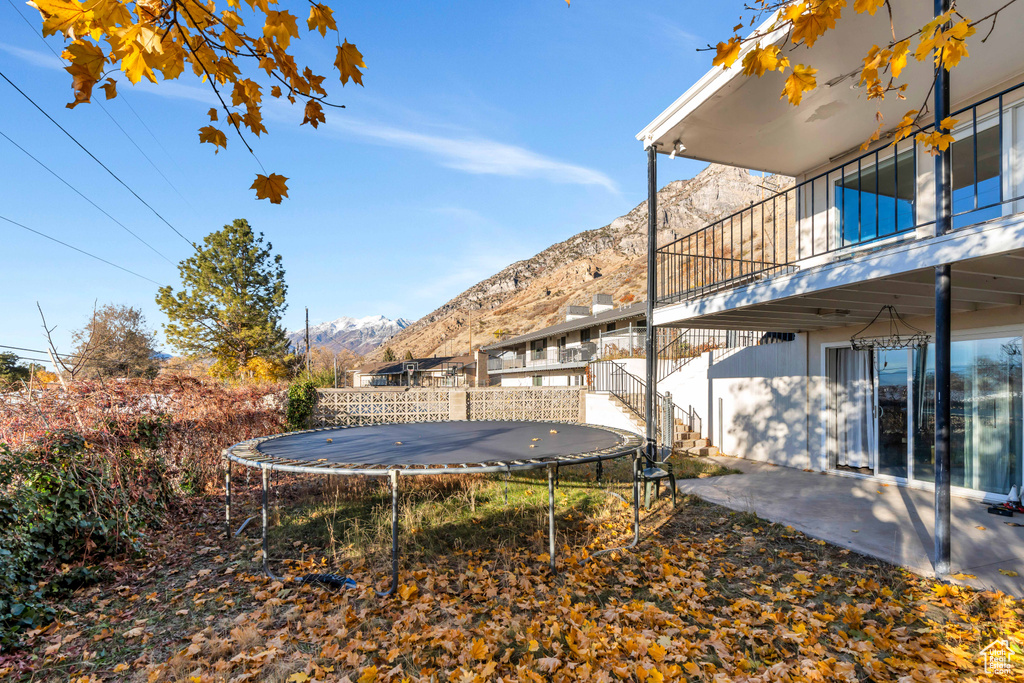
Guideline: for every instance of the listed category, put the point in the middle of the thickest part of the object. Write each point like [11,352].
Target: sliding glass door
[986,413]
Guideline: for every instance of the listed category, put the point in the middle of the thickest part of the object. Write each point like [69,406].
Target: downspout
[943,314]
[652,292]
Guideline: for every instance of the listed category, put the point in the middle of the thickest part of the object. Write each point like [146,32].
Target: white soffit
[740,121]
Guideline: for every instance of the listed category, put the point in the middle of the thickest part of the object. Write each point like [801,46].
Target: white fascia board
[985,239]
[701,91]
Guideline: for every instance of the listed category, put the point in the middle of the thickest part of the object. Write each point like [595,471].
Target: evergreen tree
[408,355]
[11,371]
[231,301]
[389,356]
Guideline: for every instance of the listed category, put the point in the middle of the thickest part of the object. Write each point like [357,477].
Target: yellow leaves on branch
[159,41]
[270,187]
[943,40]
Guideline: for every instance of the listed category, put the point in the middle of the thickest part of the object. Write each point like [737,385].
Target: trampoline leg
[227,502]
[600,468]
[551,517]
[266,545]
[636,500]
[394,536]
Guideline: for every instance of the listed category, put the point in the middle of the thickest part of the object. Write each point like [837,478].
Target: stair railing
[613,377]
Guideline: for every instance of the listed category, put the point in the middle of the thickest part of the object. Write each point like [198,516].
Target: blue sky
[485,132]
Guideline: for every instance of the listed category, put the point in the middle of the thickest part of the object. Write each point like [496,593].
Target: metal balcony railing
[607,375]
[870,199]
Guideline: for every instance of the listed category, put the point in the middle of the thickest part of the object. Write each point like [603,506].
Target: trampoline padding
[440,443]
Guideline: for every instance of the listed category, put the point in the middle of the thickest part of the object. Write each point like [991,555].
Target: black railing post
[943,314]
[651,360]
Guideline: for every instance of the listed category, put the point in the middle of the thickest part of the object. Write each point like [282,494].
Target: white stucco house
[852,241]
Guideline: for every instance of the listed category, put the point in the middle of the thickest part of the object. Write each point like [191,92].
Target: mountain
[533,293]
[359,335]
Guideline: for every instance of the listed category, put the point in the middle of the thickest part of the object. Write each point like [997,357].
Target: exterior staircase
[622,388]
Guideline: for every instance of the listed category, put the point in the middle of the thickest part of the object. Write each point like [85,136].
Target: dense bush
[301,403]
[84,473]
[63,508]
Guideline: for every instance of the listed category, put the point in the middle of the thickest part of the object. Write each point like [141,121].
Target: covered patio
[889,522]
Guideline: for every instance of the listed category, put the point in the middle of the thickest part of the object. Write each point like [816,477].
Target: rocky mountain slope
[359,335]
[533,293]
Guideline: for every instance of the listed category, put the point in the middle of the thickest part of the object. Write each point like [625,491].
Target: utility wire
[79,193]
[80,251]
[107,112]
[93,156]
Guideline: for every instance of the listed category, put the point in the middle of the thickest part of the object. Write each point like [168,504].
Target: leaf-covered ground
[708,594]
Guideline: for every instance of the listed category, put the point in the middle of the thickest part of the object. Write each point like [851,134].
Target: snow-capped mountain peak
[359,335]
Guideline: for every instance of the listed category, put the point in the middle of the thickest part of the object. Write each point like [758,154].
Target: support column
[551,518]
[652,293]
[943,314]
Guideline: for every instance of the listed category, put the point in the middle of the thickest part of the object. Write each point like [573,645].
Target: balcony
[877,199]
[506,361]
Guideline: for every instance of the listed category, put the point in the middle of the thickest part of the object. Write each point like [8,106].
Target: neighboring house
[856,233]
[558,355]
[444,371]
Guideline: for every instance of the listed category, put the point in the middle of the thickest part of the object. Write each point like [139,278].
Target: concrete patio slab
[889,522]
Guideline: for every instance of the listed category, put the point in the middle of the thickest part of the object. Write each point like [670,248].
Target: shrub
[301,403]
[63,509]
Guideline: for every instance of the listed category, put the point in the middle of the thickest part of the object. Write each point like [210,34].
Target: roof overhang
[987,272]
[732,119]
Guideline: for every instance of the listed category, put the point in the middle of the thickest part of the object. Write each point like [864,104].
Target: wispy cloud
[469,153]
[43,60]
[474,154]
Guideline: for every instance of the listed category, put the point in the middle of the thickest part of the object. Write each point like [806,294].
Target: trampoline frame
[246,453]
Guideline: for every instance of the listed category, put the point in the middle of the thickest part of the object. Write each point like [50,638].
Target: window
[538,381]
[875,198]
[976,195]
[611,327]
[537,349]
[585,336]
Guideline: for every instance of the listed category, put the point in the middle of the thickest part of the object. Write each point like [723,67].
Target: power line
[81,251]
[79,193]
[93,156]
[91,361]
[107,112]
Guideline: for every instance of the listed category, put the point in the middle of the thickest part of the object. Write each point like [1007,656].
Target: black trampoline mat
[440,443]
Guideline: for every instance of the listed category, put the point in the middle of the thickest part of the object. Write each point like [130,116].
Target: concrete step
[686,435]
[693,443]
[700,451]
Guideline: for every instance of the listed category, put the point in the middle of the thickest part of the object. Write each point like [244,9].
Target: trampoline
[433,448]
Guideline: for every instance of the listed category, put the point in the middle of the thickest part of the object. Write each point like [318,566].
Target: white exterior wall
[549,378]
[603,412]
[763,392]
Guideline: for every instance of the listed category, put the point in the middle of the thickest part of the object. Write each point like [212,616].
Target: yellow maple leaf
[369,675]
[272,187]
[214,136]
[298,677]
[62,16]
[759,60]
[406,590]
[727,53]
[212,113]
[808,27]
[657,652]
[1007,572]
[802,577]
[346,62]
[655,676]
[479,649]
[793,11]
[899,57]
[321,18]
[533,646]
[869,6]
[800,80]
[86,55]
[280,26]
[135,65]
